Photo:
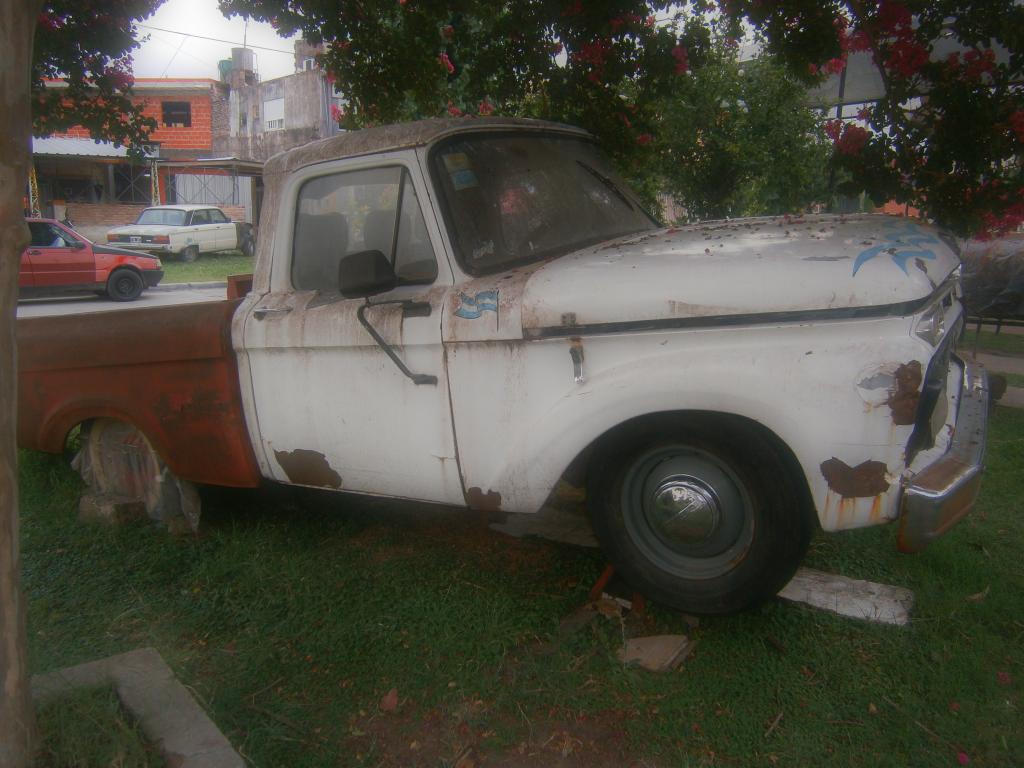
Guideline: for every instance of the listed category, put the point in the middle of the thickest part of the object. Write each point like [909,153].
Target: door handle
[35,253]
[261,312]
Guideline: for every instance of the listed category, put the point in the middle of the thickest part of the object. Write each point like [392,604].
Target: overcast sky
[166,54]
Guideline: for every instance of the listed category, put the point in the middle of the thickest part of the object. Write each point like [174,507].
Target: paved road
[154,297]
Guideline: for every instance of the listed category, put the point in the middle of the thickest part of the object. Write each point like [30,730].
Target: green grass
[990,341]
[291,619]
[1013,379]
[88,729]
[208,267]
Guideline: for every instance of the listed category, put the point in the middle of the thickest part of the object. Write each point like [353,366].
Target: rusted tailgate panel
[170,371]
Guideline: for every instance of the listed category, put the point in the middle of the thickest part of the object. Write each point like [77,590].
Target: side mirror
[365,273]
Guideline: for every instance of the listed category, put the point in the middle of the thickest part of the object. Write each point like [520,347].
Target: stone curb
[167,713]
[188,286]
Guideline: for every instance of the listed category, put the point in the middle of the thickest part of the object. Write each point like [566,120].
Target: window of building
[308,64]
[273,114]
[177,114]
[132,184]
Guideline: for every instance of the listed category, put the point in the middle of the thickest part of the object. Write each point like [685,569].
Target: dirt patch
[468,737]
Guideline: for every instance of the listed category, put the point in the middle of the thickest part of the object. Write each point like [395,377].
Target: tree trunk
[17,26]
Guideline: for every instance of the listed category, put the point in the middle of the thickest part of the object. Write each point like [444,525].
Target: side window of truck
[343,213]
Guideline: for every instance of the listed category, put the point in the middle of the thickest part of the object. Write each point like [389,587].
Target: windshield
[174,217]
[513,199]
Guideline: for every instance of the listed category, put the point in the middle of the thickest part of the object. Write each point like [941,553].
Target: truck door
[333,408]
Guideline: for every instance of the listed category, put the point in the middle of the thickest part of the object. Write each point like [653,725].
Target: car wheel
[249,247]
[190,254]
[700,517]
[124,285]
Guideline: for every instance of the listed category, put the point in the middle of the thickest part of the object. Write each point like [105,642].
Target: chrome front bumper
[944,491]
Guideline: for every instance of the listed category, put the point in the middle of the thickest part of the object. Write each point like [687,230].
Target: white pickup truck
[467,312]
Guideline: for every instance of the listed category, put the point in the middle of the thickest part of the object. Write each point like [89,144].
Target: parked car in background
[59,260]
[185,231]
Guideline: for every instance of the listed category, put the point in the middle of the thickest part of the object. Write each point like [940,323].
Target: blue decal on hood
[903,242]
[471,307]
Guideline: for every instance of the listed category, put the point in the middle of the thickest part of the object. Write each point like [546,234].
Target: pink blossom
[446,63]
[682,57]
[852,140]
[337,113]
[963,758]
[485,108]
[453,110]
[644,138]
[1004,678]
[835,66]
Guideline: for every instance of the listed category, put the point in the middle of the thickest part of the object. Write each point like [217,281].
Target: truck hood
[741,267]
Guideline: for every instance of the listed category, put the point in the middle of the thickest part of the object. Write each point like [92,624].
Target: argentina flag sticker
[472,307]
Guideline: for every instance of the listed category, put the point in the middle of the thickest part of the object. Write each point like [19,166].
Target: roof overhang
[67,146]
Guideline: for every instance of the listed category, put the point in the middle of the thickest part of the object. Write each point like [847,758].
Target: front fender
[799,382]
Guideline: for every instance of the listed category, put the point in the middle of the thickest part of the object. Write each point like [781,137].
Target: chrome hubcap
[684,511]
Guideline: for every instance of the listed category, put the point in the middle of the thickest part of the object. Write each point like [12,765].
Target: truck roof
[386,138]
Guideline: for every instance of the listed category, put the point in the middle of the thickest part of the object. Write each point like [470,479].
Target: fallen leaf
[389,701]
[872,709]
[977,597]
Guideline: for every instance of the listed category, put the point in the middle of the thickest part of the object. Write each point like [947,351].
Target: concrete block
[657,653]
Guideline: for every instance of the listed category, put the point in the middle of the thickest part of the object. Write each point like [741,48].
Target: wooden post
[17,27]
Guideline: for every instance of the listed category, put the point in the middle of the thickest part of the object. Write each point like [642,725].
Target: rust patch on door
[866,479]
[305,467]
[483,502]
[905,394]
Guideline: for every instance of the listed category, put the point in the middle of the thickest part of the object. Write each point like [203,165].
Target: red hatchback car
[60,260]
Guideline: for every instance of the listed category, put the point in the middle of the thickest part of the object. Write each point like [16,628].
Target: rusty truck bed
[169,371]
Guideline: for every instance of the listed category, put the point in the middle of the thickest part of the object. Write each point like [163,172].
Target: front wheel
[698,515]
[124,285]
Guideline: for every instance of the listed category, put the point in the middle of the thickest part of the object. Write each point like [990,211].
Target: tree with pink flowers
[945,135]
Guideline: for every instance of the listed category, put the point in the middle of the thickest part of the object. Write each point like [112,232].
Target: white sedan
[185,231]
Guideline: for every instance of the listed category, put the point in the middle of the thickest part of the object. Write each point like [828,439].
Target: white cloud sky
[166,54]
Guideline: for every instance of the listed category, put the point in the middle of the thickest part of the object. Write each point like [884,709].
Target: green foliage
[947,135]
[737,139]
[610,65]
[81,70]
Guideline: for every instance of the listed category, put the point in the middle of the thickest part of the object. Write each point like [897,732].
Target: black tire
[124,285]
[248,248]
[190,254]
[748,524]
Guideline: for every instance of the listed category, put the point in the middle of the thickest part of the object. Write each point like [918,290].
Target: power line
[216,39]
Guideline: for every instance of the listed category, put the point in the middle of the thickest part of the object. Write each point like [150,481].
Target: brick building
[98,186]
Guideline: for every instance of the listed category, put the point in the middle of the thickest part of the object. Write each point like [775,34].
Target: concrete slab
[167,713]
[658,653]
[1013,397]
[850,597]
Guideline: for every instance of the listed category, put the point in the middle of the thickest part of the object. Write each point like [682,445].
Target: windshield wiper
[608,183]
